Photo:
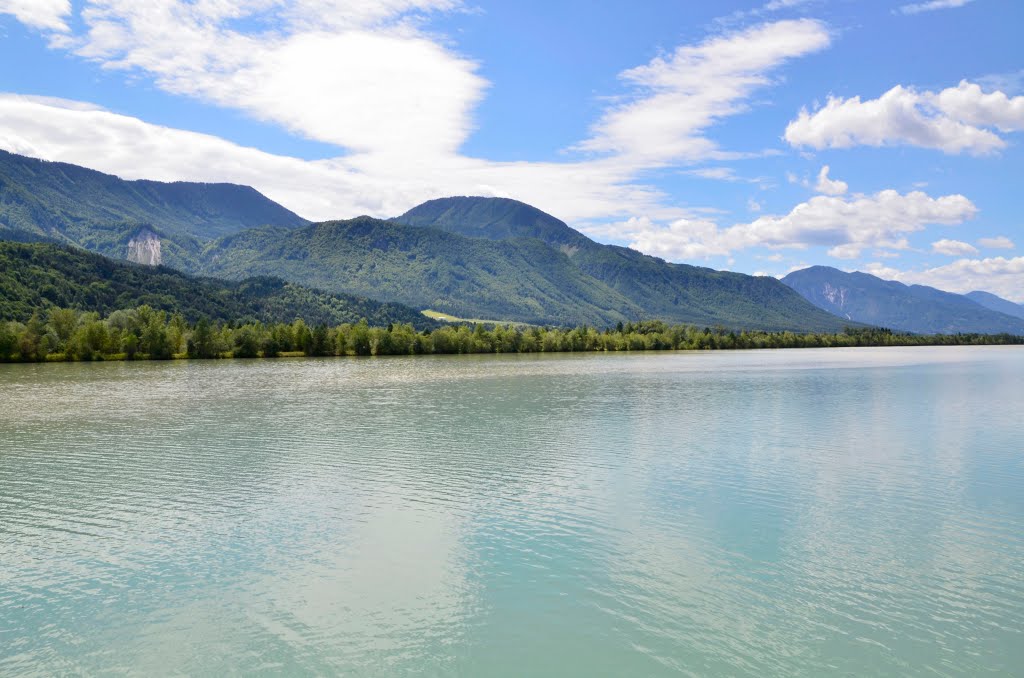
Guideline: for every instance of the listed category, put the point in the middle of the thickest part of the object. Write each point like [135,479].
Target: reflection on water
[848,512]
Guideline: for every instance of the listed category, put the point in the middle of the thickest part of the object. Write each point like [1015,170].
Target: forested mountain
[41,275]
[676,292]
[915,308]
[492,218]
[991,301]
[521,279]
[67,203]
[470,257]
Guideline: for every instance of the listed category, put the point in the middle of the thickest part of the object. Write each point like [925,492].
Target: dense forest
[37,276]
[636,284]
[147,333]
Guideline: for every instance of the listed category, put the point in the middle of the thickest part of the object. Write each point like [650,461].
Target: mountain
[991,301]
[159,222]
[915,308]
[521,279]
[674,292]
[34,276]
[471,257]
[492,218]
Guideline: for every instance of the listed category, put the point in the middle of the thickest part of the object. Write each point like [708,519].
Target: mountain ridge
[101,212]
[996,303]
[866,298]
[677,292]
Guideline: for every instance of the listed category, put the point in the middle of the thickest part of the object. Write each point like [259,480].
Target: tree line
[145,333]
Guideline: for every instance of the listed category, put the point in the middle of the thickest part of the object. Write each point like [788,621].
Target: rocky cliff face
[144,248]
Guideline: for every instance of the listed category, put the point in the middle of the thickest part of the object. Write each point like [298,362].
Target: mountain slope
[992,302]
[39,275]
[865,298]
[518,278]
[675,292]
[103,213]
[521,279]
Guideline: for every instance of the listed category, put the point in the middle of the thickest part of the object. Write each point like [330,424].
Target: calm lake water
[764,513]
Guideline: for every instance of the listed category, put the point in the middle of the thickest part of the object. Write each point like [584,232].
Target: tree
[62,322]
[33,344]
[201,343]
[247,343]
[8,341]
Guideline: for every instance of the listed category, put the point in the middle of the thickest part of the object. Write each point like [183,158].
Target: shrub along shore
[147,334]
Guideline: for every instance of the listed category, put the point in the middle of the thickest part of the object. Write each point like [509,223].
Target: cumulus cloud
[40,14]
[829,186]
[998,243]
[999,275]
[956,120]
[682,94]
[932,5]
[953,248]
[845,226]
[848,225]
[355,74]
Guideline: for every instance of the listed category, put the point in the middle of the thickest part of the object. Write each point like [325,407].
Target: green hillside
[515,279]
[674,292]
[520,279]
[42,275]
[71,204]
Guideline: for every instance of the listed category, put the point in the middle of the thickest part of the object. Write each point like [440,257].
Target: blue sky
[754,136]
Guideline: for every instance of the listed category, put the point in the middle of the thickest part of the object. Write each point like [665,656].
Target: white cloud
[363,76]
[355,74]
[679,240]
[718,173]
[998,243]
[686,92]
[722,174]
[955,120]
[932,5]
[953,248]
[40,14]
[999,275]
[753,205]
[1011,82]
[829,186]
[845,226]
[847,251]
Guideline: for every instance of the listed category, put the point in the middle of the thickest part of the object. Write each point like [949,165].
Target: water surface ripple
[763,513]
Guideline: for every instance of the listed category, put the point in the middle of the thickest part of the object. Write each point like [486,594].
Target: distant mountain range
[470,257]
[865,298]
[991,301]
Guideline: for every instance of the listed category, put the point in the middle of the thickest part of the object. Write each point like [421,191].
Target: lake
[763,513]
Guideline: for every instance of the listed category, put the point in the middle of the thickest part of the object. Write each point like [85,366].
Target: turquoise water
[768,513]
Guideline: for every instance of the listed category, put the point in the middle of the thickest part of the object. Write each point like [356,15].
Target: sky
[760,137]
